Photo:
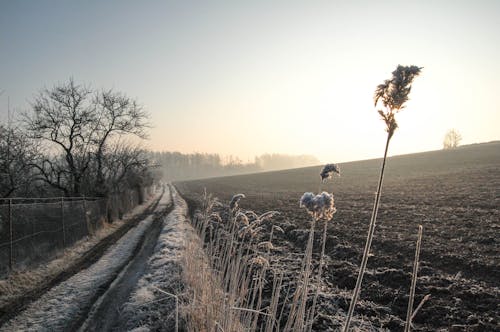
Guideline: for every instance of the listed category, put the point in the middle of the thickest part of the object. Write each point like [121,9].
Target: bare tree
[16,155]
[122,163]
[117,115]
[77,126]
[452,139]
[63,117]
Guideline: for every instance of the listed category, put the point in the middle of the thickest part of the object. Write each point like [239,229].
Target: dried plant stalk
[368,243]
[409,315]
[393,94]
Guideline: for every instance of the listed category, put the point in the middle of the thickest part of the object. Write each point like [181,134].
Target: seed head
[255,231]
[267,245]
[259,261]
[216,218]
[394,92]
[233,205]
[320,206]
[278,229]
[328,171]
[242,219]
[268,215]
[252,214]
[250,231]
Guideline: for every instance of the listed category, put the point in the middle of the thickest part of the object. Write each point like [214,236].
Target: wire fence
[33,230]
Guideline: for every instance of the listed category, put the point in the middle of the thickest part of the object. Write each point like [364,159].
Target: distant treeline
[179,166]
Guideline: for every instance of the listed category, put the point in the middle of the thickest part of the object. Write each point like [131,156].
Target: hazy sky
[250,77]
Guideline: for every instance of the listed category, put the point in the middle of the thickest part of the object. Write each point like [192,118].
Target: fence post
[89,230]
[62,222]
[11,253]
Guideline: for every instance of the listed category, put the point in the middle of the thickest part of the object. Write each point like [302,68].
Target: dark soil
[454,194]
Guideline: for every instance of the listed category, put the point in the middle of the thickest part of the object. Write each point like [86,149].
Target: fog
[173,166]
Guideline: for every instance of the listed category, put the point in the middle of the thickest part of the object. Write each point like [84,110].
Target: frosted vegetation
[154,304]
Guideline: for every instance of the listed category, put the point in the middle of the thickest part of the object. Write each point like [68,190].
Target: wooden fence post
[62,222]
[87,221]
[11,249]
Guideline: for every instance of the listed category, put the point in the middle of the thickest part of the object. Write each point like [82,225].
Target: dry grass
[227,277]
[205,309]
[410,314]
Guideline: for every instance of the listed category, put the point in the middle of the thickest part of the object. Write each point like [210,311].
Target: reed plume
[392,94]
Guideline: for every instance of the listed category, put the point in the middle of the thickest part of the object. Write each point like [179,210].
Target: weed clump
[238,264]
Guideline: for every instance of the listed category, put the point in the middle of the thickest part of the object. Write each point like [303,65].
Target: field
[454,194]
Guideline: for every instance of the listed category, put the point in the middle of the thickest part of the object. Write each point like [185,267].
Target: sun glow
[214,81]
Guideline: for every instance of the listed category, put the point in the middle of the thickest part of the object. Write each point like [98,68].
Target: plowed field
[454,194]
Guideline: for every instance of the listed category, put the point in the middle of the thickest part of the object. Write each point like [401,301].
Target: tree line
[178,166]
[73,142]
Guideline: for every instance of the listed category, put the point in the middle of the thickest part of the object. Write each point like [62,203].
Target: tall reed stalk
[409,312]
[296,316]
[328,172]
[321,206]
[369,238]
[393,94]
[320,272]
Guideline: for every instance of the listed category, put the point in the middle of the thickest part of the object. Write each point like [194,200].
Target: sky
[245,78]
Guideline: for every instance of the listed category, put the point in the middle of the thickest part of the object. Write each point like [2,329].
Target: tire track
[66,306]
[105,312]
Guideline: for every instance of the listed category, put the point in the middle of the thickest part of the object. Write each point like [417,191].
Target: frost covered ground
[149,307]
[22,281]
[64,306]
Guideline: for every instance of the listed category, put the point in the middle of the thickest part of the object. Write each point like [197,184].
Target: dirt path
[105,313]
[152,305]
[16,306]
[88,299]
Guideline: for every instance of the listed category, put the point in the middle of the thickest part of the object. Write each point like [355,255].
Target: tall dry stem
[368,243]
[409,312]
[320,271]
[296,316]
[393,94]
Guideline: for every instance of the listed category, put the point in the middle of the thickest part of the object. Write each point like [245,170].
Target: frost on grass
[233,205]
[149,308]
[259,261]
[268,215]
[319,206]
[143,295]
[60,307]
